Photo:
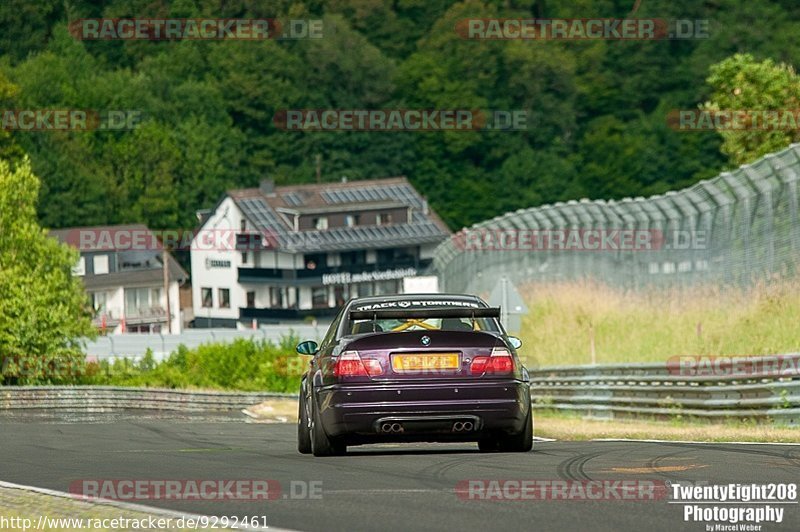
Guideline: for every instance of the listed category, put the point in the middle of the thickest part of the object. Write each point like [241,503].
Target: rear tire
[303,425]
[487,445]
[521,442]
[321,443]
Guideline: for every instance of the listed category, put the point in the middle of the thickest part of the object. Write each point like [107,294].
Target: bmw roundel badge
[426,340]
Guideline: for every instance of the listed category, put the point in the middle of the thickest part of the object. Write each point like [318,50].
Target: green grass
[566,319]
[576,427]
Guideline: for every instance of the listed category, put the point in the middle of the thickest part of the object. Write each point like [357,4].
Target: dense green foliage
[247,365]
[741,83]
[43,311]
[598,108]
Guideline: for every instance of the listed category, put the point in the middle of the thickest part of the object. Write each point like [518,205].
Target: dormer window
[383,218]
[321,223]
[352,220]
[100,264]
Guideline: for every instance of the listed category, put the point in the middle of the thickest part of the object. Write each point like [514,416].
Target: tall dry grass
[567,321]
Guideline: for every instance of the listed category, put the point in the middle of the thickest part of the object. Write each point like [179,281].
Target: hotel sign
[217,263]
[364,277]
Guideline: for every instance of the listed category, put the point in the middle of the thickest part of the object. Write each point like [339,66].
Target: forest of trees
[597,109]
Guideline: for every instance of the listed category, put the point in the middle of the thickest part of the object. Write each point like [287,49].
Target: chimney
[267,186]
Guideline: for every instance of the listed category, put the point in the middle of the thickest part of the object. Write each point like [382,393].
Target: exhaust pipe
[391,427]
[386,427]
[397,427]
[463,426]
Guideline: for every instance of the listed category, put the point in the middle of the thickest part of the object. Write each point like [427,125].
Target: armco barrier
[653,390]
[63,399]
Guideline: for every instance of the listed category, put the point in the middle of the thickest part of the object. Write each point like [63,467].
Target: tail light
[350,364]
[499,363]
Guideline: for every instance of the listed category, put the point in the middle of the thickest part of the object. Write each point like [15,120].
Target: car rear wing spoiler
[425,313]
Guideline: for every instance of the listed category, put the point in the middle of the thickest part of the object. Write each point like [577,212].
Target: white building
[272,254]
[122,270]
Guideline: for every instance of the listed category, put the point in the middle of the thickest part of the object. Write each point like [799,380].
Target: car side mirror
[515,342]
[309,347]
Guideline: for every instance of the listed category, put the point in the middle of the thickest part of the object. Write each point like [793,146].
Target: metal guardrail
[655,390]
[605,391]
[113,399]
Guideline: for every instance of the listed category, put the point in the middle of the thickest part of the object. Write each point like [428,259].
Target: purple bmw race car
[414,368]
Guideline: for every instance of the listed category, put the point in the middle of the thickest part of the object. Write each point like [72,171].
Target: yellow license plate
[441,361]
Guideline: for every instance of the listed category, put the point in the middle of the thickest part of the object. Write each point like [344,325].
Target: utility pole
[166,288]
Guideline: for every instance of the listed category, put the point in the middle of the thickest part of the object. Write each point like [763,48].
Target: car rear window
[431,324]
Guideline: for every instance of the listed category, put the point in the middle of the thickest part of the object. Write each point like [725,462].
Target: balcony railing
[115,315]
[265,274]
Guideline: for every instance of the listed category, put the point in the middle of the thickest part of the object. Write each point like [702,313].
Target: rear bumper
[425,411]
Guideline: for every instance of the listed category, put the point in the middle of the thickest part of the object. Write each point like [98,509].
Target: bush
[244,364]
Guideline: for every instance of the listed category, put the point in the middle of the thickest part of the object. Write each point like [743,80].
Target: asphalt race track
[382,487]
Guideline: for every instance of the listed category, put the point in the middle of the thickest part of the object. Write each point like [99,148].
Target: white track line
[161,512]
[699,442]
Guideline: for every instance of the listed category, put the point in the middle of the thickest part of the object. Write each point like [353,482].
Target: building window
[385,287]
[251,299]
[80,267]
[244,257]
[352,220]
[352,258]
[341,294]
[155,297]
[319,297]
[383,218]
[224,298]
[243,225]
[139,303]
[99,302]
[207,297]
[100,264]
[315,260]
[275,297]
[365,289]
[321,223]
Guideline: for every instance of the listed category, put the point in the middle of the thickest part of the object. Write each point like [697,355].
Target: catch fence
[736,229]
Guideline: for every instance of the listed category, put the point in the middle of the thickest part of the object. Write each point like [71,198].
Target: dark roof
[263,210]
[135,277]
[97,244]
